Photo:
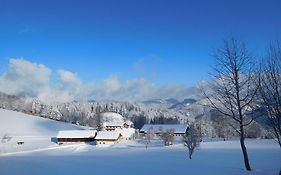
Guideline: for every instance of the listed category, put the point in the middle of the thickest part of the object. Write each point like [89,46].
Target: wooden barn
[76,136]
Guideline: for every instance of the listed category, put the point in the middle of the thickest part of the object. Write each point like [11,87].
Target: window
[103,143]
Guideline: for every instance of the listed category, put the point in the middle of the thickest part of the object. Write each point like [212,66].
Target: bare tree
[233,90]
[167,137]
[270,89]
[192,140]
[148,136]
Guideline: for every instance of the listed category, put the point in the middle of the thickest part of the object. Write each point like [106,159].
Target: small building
[107,138]
[178,129]
[111,126]
[76,136]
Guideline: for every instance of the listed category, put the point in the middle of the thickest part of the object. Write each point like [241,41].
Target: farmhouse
[111,126]
[107,138]
[76,136]
[178,129]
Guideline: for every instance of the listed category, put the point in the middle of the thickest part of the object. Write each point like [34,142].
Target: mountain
[168,101]
[184,103]
[172,101]
[154,101]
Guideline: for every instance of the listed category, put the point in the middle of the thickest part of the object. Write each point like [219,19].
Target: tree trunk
[244,150]
[279,141]
[275,132]
[190,154]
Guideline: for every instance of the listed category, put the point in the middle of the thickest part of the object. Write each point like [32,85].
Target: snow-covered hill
[19,124]
[35,132]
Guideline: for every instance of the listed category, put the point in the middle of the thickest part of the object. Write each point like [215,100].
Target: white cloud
[70,87]
[33,80]
[111,84]
[25,78]
[140,89]
[68,81]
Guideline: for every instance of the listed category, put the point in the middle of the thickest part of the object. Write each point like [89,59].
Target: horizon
[125,50]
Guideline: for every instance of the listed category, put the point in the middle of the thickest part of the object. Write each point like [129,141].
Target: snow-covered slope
[35,132]
[19,124]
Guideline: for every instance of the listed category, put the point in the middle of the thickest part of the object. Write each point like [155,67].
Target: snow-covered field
[126,157]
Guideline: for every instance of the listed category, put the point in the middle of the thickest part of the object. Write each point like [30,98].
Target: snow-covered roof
[76,134]
[112,116]
[107,135]
[178,128]
[113,124]
[126,132]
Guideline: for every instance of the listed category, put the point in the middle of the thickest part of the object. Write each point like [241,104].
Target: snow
[37,133]
[19,124]
[38,155]
[107,135]
[126,132]
[77,134]
[178,128]
[112,117]
[86,159]
[120,124]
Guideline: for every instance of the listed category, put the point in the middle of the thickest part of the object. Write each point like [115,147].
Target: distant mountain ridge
[168,101]
[184,103]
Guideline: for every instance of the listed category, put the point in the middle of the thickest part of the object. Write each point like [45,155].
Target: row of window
[76,139]
[173,134]
[113,126]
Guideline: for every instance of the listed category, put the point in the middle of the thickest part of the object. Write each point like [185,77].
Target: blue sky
[167,41]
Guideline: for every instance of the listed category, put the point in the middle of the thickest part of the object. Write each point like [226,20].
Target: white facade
[107,138]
